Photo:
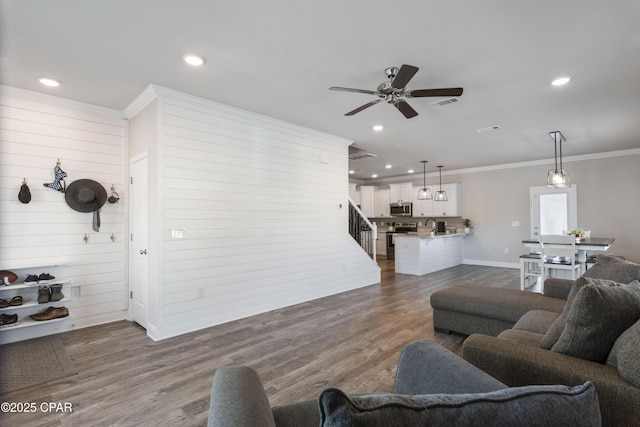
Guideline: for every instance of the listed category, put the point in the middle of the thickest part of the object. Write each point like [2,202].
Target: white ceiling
[279,58]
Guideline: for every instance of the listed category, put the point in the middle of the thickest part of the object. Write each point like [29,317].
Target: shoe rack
[29,293]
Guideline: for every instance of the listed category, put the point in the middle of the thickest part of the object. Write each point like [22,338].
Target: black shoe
[45,276]
[8,320]
[31,278]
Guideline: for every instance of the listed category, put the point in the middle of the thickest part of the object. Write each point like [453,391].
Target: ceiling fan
[394,92]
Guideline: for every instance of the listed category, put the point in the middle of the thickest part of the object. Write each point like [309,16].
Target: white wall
[260,201]
[46,235]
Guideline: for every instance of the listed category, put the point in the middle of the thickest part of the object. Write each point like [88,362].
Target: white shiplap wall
[264,204]
[46,235]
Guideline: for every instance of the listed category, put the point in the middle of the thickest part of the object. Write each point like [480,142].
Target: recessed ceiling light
[561,81]
[388,166]
[377,128]
[193,59]
[410,171]
[48,81]
[352,172]
[375,175]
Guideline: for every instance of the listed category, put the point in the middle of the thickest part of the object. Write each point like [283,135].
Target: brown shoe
[51,313]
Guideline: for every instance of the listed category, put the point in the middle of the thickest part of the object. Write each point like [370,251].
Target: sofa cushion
[529,405]
[606,267]
[600,312]
[624,355]
[523,337]
[538,321]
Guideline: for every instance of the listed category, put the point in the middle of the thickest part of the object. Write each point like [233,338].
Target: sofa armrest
[425,367]
[238,399]
[557,288]
[517,365]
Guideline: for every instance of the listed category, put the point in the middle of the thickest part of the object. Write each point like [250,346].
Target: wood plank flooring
[351,341]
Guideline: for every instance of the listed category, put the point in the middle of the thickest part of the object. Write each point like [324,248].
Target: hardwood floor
[351,341]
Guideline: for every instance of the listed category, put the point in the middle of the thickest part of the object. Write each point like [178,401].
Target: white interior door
[552,210]
[139,239]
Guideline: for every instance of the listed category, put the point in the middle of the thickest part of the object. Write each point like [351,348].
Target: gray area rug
[28,363]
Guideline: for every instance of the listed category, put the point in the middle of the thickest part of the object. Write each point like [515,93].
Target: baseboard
[491,263]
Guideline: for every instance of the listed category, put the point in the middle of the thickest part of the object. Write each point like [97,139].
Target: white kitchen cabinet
[367,200]
[381,204]
[430,208]
[381,244]
[402,193]
[423,208]
[453,206]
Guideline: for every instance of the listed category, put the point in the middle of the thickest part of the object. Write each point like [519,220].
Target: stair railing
[362,230]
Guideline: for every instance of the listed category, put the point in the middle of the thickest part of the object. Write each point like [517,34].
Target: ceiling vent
[359,153]
[443,102]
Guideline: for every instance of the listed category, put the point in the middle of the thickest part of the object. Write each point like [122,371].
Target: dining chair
[559,253]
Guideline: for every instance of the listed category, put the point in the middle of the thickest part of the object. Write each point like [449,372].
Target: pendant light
[441,195]
[425,192]
[557,178]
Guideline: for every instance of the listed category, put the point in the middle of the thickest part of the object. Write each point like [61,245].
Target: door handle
[143,252]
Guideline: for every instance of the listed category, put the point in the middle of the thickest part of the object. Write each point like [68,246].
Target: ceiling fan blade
[348,89]
[406,109]
[421,93]
[405,74]
[363,107]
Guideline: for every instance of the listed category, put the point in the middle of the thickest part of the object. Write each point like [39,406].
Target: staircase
[362,230]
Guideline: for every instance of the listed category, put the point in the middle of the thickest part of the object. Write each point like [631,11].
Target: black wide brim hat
[85,195]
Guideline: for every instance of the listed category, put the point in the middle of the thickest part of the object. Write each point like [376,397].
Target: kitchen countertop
[437,235]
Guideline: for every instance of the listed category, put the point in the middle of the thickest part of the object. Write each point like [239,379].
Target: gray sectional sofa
[428,380]
[583,330]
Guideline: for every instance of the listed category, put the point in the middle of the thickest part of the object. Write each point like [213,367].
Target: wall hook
[114,196]
[113,237]
[86,238]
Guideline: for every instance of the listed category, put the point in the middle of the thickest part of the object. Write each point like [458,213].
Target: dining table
[597,244]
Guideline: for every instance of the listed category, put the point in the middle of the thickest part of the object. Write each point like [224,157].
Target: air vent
[443,102]
[359,154]
[488,129]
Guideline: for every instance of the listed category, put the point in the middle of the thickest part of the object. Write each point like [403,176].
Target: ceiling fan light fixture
[441,195]
[424,193]
[557,178]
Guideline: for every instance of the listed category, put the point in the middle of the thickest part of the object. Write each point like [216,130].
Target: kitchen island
[418,254]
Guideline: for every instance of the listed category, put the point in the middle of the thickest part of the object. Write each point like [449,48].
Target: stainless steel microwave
[401,209]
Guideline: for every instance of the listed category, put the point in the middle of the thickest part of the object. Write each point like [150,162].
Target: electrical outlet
[75,292]
[515,223]
[506,250]
[200,293]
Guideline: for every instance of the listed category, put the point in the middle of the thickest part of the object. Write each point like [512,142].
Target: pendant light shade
[425,192]
[557,178]
[441,195]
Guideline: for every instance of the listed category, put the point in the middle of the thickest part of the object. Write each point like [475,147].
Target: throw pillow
[555,330]
[606,267]
[529,405]
[613,268]
[624,355]
[601,311]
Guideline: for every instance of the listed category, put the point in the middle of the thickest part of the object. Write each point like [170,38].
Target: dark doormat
[28,363]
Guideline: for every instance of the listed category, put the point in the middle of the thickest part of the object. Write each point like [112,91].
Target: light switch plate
[178,233]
